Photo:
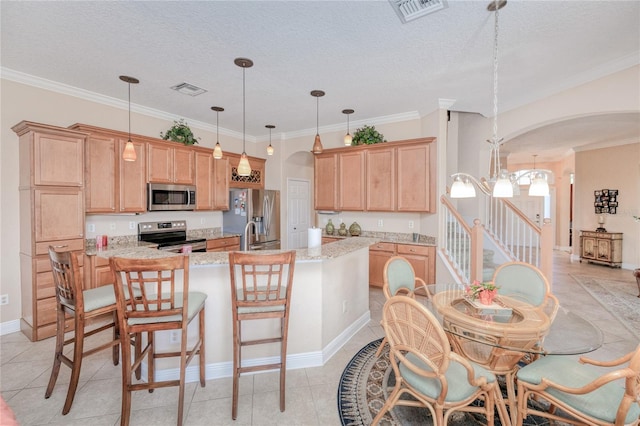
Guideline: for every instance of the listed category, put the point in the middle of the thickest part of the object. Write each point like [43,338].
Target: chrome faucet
[246,234]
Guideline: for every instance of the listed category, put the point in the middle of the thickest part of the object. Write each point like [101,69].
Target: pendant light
[539,185]
[129,153]
[348,138]
[217,150]
[317,143]
[270,148]
[244,168]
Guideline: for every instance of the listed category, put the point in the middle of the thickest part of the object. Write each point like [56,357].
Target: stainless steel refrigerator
[256,214]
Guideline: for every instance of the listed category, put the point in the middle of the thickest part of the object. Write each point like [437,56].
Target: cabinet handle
[412,250]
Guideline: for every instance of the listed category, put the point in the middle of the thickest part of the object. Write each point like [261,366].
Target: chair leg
[379,351]
[57,358]
[115,349]
[511,395]
[201,352]
[78,346]
[151,358]
[126,380]
[283,362]
[236,367]
[137,344]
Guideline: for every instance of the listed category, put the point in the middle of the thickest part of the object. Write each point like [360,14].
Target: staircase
[470,250]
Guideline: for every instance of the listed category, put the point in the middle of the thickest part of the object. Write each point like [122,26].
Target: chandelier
[501,183]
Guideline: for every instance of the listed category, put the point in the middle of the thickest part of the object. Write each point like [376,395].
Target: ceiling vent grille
[188,89]
[408,10]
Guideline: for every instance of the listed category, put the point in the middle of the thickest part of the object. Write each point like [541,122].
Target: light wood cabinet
[325,181]
[204,180]
[351,183]
[224,244]
[394,176]
[169,164]
[255,180]
[221,184]
[112,184]
[422,258]
[98,272]
[379,254]
[51,195]
[601,247]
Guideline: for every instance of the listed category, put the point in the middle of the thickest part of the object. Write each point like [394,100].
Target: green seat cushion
[456,375]
[601,404]
[195,302]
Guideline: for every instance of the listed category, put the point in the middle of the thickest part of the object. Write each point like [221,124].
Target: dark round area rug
[365,384]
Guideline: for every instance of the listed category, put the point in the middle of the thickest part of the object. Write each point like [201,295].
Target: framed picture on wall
[605,201]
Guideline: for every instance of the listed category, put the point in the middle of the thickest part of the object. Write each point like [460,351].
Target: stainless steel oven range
[170,236]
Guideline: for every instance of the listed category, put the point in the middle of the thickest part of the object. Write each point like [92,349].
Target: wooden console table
[601,247]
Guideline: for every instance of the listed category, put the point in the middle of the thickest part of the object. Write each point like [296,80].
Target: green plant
[367,135]
[180,132]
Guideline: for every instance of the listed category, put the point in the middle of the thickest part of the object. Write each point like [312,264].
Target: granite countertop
[390,237]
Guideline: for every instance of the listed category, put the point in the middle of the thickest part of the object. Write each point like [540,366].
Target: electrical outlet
[175,337]
[4,299]
[410,224]
[91,227]
[380,223]
[132,225]
[112,226]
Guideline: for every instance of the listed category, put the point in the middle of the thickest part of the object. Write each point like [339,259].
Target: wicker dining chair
[399,278]
[426,368]
[83,306]
[590,391]
[261,287]
[150,299]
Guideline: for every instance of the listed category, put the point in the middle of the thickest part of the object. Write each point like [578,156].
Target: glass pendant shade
[270,150]
[129,153]
[539,186]
[503,187]
[217,151]
[462,188]
[244,168]
[348,139]
[317,145]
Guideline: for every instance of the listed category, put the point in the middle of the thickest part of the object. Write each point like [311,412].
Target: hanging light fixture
[348,138]
[217,150]
[539,185]
[244,168]
[317,143]
[270,148]
[129,153]
[463,182]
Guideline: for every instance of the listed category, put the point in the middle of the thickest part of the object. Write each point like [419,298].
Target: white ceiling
[358,52]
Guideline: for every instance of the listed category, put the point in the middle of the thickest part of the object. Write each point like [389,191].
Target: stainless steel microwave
[162,197]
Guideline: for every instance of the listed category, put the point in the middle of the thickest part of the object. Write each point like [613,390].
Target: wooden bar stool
[260,289]
[150,299]
[82,306]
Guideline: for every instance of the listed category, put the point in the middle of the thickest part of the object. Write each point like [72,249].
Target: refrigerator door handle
[267,215]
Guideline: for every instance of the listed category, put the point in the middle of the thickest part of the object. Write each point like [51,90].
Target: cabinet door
[588,247]
[351,181]
[204,180]
[221,184]
[381,180]
[325,182]
[422,259]
[414,184]
[132,183]
[604,250]
[183,166]
[160,163]
[379,254]
[58,213]
[100,178]
[58,160]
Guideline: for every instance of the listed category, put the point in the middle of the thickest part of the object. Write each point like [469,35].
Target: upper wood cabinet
[221,176]
[112,184]
[211,180]
[394,176]
[169,164]
[255,180]
[351,181]
[326,181]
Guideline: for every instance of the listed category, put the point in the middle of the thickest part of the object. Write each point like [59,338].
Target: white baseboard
[9,327]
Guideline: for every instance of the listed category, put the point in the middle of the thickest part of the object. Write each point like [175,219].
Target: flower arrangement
[180,132]
[476,288]
[367,135]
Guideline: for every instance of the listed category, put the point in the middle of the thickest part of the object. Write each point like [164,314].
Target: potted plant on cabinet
[180,132]
[367,135]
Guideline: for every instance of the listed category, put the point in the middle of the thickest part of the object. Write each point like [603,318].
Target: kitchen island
[330,303]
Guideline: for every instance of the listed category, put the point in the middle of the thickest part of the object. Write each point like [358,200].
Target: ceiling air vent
[408,10]
[188,89]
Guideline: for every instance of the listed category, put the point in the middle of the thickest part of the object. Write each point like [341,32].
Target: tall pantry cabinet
[51,213]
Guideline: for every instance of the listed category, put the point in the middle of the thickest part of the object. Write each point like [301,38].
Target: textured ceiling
[358,52]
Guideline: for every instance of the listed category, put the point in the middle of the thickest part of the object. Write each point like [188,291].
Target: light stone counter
[330,303]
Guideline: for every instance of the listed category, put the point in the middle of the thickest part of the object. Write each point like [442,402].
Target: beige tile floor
[311,393]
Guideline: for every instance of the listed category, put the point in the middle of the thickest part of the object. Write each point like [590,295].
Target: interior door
[298,216]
